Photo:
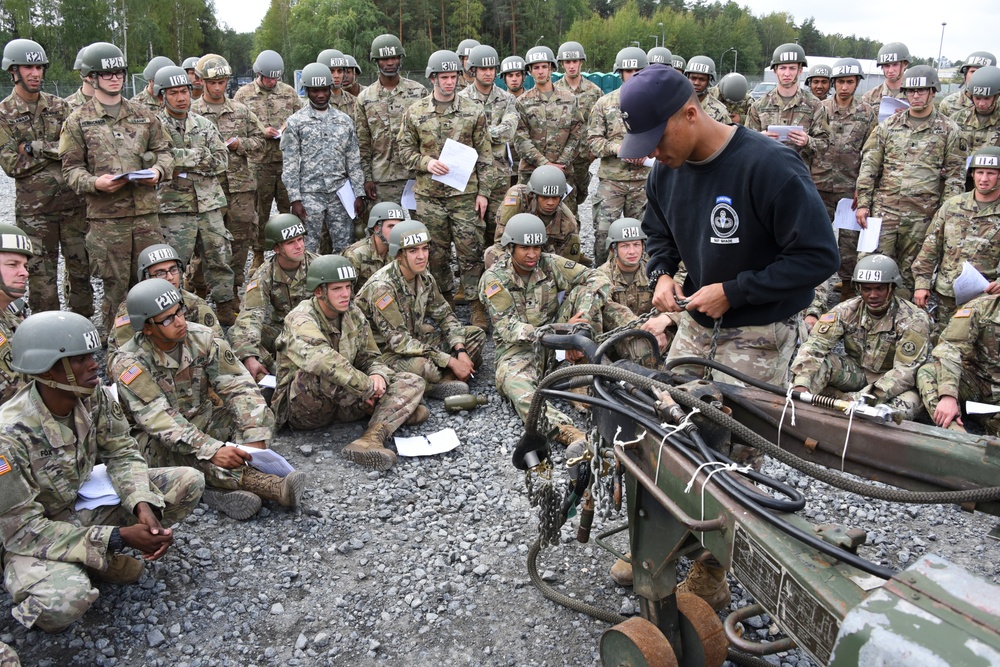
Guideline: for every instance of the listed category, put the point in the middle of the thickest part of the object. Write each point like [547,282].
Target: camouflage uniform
[873,97]
[881,354]
[191,204]
[715,109]
[77,99]
[621,189]
[324,366]
[908,169]
[272,108]
[238,182]
[966,361]
[449,215]
[346,104]
[955,102]
[168,401]
[587,95]
[633,292]
[198,312]
[120,224]
[49,545]
[802,109]
[379,119]
[561,228]
[365,259]
[549,129]
[45,208]
[415,325]
[739,108]
[8,656]
[977,131]
[321,154]
[9,379]
[271,294]
[147,100]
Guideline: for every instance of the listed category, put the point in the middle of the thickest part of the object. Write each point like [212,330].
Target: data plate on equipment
[793,608]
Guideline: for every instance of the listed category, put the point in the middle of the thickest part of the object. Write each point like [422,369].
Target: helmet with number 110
[407,234]
[482,56]
[281,228]
[330,269]
[624,230]
[524,229]
[877,269]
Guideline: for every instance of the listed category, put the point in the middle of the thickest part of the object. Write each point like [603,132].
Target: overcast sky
[972,26]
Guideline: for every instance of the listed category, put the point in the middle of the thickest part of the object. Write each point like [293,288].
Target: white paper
[113,390]
[461,161]
[868,238]
[560,355]
[427,445]
[648,162]
[346,194]
[844,218]
[971,283]
[142,174]
[409,199]
[569,189]
[231,140]
[889,105]
[268,381]
[510,156]
[268,460]
[974,408]
[783,130]
[97,491]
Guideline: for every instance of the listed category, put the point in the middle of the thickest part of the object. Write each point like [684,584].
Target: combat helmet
[78,62]
[352,63]
[920,76]
[326,57]
[524,229]
[547,181]
[270,64]
[623,230]
[382,211]
[482,56]
[571,51]
[978,59]
[659,54]
[818,70]
[407,234]
[987,157]
[512,64]
[330,269]
[316,75]
[213,66]
[442,61]
[877,269]
[893,52]
[190,63]
[733,87]
[282,227]
[677,62]
[386,46]
[788,54]
[155,65]
[168,77]
[465,47]
[631,57]
[155,254]
[148,299]
[985,82]
[45,338]
[23,52]
[701,65]
[846,67]
[539,54]
[102,57]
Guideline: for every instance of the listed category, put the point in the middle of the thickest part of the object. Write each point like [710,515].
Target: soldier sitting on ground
[15,251]
[330,369]
[886,339]
[165,375]
[413,323]
[54,431]
[371,253]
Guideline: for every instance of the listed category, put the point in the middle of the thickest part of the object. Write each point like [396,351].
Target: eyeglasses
[107,76]
[163,273]
[169,319]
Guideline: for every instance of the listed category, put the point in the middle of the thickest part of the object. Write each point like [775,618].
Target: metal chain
[713,347]
[542,494]
[631,324]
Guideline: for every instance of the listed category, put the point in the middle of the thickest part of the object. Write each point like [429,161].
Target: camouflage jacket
[740,107]
[365,259]
[634,292]
[38,178]
[889,348]
[836,168]
[549,129]
[379,120]
[198,312]
[10,380]
[200,156]
[270,295]
[236,121]
[963,230]
[93,143]
[605,132]
[46,466]
[500,108]
[399,311]
[321,153]
[346,104]
[715,109]
[168,401]
[977,131]
[904,161]
[273,109]
[957,101]
[970,342]
[801,109]
[559,226]
[146,99]
[77,99]
[341,350]
[423,135]
[587,94]
[873,97]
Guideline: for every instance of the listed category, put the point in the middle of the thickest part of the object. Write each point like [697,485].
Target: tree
[774,30]
[811,40]
[273,32]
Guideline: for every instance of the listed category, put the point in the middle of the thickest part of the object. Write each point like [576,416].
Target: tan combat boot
[707,582]
[227,311]
[621,572]
[419,416]
[477,315]
[122,569]
[369,450]
[286,491]
[569,435]
[239,505]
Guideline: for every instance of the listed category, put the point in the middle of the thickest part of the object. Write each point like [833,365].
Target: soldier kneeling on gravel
[372,252]
[413,323]
[54,431]
[330,369]
[165,376]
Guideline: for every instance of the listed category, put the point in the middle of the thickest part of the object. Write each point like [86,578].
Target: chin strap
[73,387]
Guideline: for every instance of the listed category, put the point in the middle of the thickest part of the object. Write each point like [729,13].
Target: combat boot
[226,312]
[419,416]
[460,297]
[446,388]
[707,582]
[239,505]
[478,316]
[621,572]
[369,450]
[450,298]
[569,435]
[122,569]
[286,491]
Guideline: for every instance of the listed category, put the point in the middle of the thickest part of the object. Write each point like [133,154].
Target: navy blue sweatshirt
[750,219]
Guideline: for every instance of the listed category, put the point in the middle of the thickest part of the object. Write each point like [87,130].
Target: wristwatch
[28,149]
[455,351]
[655,276]
[116,543]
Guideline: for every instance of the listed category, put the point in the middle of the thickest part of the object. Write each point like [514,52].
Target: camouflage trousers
[475,341]
[326,211]
[970,388]
[904,228]
[455,219]
[497,194]
[847,240]
[51,594]
[207,232]
[220,426]
[581,183]
[614,200]
[8,656]
[942,313]
[269,189]
[843,375]
[49,231]
[113,247]
[315,402]
[241,221]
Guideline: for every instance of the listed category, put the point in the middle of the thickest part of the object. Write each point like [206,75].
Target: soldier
[330,369]
[962,98]
[273,101]
[96,147]
[352,76]
[275,288]
[678,62]
[979,123]
[659,54]
[910,165]
[165,377]
[451,215]
[380,116]
[572,57]
[413,323]
[886,339]
[835,170]
[464,52]
[501,118]
[621,188]
[700,71]
[550,124]
[243,135]
[321,154]
[147,97]
[45,207]
[191,203]
[964,229]
[512,73]
[15,253]
[818,81]
[190,66]
[54,432]
[788,105]
[893,59]
[85,91]
[372,252]
[340,99]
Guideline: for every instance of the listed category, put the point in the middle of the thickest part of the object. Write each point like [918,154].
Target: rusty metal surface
[636,643]
[704,638]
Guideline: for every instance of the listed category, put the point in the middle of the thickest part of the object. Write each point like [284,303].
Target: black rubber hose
[715,365]
[606,345]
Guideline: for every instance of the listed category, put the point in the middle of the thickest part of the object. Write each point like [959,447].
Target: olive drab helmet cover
[383,211]
[155,254]
[548,181]
[407,234]
[43,339]
[631,58]
[877,269]
[281,228]
[623,230]
[330,269]
[659,54]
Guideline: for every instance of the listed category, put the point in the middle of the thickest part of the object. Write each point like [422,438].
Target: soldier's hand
[861,215]
[710,300]
[255,368]
[947,411]
[437,167]
[271,132]
[299,210]
[233,145]
[481,204]
[107,183]
[810,321]
[147,535]
[359,206]
[461,366]
[378,388]
[798,138]
[560,167]
[772,135]
[665,295]
[993,288]
[149,182]
[578,318]
[230,457]
[371,191]
[920,297]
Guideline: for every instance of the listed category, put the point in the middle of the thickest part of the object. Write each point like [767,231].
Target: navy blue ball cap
[648,100]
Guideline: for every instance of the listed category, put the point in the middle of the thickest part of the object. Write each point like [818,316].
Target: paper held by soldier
[409,201]
[783,130]
[139,175]
[868,238]
[969,284]
[889,106]
[844,218]
[346,195]
[428,445]
[977,408]
[461,161]
[97,491]
[268,460]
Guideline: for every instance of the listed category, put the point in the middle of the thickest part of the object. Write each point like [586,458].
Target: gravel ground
[424,564]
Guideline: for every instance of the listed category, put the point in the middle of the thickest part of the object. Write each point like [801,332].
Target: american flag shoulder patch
[510,201]
[131,373]
[828,317]
[122,321]
[965,312]
[251,285]
[492,289]
[3,339]
[4,465]
[384,301]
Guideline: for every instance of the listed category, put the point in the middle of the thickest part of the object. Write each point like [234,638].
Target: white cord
[659,454]
[788,402]
[720,467]
[850,420]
